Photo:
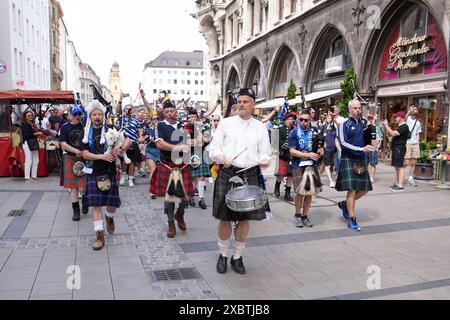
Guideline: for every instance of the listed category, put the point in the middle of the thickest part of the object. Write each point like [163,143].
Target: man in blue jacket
[353,174]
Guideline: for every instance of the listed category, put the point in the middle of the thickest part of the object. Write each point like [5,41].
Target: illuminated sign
[403,49]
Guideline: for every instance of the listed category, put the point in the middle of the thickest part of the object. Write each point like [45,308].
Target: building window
[19,13]
[175,92]
[188,63]
[183,81]
[201,82]
[189,92]
[160,81]
[196,73]
[281,9]
[188,73]
[189,82]
[160,71]
[53,13]
[196,82]
[169,81]
[155,81]
[169,72]
[182,73]
[201,92]
[196,92]
[182,91]
[175,72]
[293,6]
[199,63]
[155,91]
[29,69]
[27,31]
[202,73]
[14,16]
[175,81]
[177,62]
[16,62]
[154,71]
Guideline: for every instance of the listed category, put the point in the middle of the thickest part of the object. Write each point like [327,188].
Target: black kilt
[348,180]
[134,153]
[222,186]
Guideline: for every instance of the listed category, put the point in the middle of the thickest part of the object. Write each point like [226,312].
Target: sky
[131,32]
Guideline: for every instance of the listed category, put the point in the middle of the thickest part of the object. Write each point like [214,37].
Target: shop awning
[271,104]
[321,95]
[295,101]
[31,97]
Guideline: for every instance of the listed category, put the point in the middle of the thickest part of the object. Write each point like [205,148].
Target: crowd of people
[180,148]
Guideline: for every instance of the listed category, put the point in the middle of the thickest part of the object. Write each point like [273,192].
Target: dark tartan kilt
[70,180]
[283,169]
[298,172]
[348,180]
[202,171]
[222,186]
[93,197]
[160,178]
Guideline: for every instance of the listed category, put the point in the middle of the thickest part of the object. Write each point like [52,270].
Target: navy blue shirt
[295,143]
[71,134]
[151,133]
[166,132]
[351,138]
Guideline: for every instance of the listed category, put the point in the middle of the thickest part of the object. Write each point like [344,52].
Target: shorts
[153,154]
[134,153]
[412,151]
[372,157]
[398,157]
[329,158]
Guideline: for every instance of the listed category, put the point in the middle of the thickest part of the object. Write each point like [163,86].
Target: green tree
[347,90]
[292,89]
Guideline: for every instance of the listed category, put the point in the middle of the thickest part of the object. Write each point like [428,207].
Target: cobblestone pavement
[404,240]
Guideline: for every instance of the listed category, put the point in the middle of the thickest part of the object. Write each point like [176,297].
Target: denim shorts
[153,154]
[372,157]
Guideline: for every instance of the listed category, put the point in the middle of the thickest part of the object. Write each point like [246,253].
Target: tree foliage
[348,90]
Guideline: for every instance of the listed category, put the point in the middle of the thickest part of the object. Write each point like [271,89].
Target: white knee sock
[98,225]
[109,214]
[238,249]
[223,247]
[201,189]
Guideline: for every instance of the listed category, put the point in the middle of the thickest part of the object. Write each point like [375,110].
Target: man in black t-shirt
[398,147]
[103,171]
[175,146]
[70,138]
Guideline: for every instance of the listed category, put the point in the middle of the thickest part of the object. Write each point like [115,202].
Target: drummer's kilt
[283,168]
[348,180]
[70,180]
[160,178]
[222,186]
[93,197]
[202,171]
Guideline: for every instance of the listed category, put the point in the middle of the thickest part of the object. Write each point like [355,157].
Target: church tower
[115,83]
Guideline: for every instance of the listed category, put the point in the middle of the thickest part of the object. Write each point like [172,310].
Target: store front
[413,70]
[327,69]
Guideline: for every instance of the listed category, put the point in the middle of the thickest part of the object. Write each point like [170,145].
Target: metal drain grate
[175,274]
[16,213]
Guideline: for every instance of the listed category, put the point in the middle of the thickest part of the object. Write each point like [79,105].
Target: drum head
[245,193]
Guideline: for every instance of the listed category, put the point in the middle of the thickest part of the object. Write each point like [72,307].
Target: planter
[424,171]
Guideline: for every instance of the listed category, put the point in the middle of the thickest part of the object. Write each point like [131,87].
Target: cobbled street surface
[402,252]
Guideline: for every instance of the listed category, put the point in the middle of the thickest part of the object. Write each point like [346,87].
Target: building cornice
[285,24]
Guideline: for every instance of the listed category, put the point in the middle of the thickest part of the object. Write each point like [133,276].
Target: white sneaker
[372,179]
[411,182]
[131,182]
[332,184]
[123,178]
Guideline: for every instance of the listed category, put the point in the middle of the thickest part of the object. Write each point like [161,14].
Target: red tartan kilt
[283,168]
[160,178]
[70,180]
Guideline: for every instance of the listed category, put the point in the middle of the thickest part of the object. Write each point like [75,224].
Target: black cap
[168,104]
[287,116]
[248,92]
[192,111]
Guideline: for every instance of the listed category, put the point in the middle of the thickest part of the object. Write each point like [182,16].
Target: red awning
[31,97]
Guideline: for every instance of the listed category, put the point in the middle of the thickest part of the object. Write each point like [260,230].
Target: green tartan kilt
[202,171]
[349,180]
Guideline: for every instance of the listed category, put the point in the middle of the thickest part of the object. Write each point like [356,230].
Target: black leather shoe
[237,265]
[221,264]
[84,209]
[192,202]
[287,195]
[202,204]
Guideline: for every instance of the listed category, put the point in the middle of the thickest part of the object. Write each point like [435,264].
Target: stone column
[256,17]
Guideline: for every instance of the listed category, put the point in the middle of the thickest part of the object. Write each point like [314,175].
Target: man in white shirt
[239,142]
[412,145]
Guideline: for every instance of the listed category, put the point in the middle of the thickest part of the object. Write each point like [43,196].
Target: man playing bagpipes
[70,141]
[304,144]
[172,178]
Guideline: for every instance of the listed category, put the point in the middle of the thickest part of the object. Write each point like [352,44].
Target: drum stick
[248,168]
[239,154]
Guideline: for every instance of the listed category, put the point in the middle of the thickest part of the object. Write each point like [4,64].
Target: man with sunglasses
[303,144]
[69,139]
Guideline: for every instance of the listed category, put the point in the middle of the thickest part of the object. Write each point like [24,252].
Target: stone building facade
[266,43]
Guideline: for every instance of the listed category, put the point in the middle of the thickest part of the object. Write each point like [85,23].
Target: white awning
[321,94]
[271,104]
[295,101]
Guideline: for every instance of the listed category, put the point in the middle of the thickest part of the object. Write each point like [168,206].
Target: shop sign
[334,64]
[402,49]
[427,87]
[327,85]
[3,67]
[20,83]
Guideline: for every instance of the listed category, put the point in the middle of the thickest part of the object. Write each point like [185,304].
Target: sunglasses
[154,118]
[216,120]
[77,114]
[304,120]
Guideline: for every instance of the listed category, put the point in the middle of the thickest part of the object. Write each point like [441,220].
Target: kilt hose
[160,179]
[202,171]
[93,197]
[222,186]
[283,169]
[70,180]
[349,180]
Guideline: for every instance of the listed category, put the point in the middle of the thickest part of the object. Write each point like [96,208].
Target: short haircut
[305,112]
